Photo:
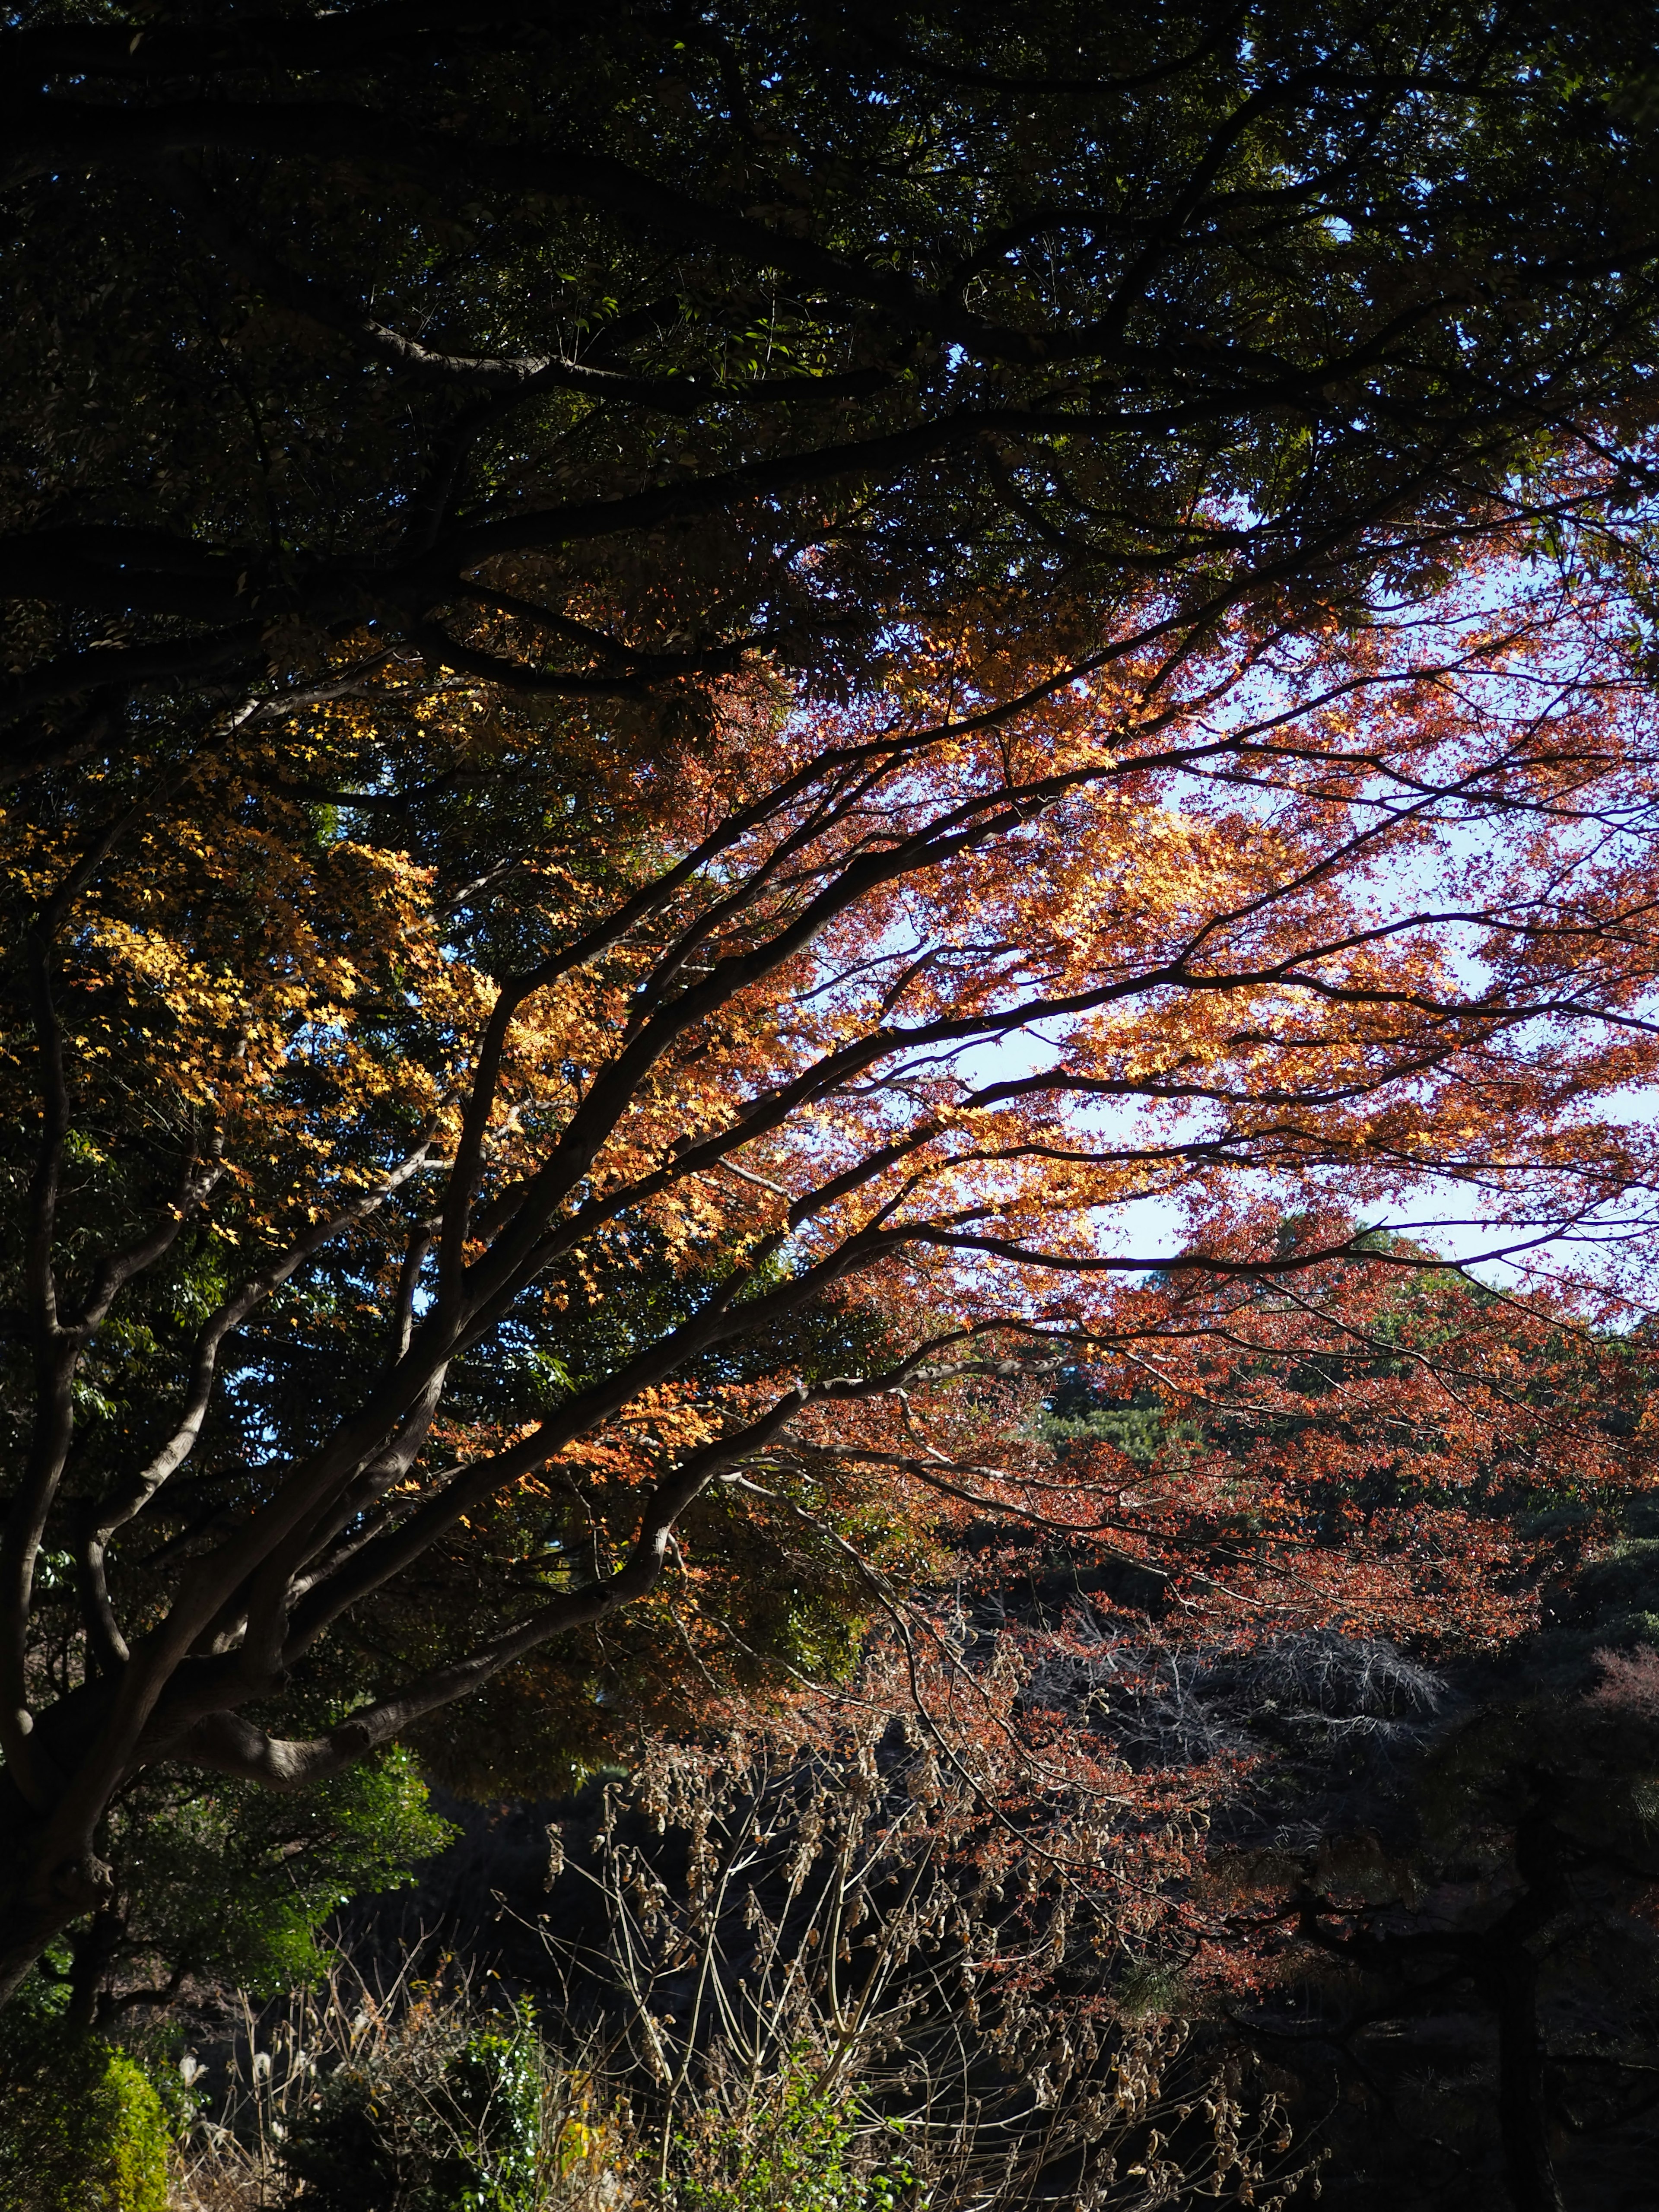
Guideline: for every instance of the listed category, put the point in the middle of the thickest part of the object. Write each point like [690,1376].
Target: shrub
[82,2128]
[411,2098]
[796,2145]
[432,2119]
[822,2004]
[225,1882]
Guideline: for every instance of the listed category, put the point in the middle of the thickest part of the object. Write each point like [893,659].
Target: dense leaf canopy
[596,349]
[701,702]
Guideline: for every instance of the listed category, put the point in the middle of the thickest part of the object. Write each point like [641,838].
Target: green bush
[496,2089]
[428,2123]
[234,1883]
[792,2151]
[81,2127]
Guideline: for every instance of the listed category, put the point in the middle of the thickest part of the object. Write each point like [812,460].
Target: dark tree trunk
[1523,2105]
[92,1948]
[25,1932]
[37,1905]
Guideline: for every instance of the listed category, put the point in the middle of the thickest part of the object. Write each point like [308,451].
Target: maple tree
[1407,1847]
[689,692]
[1526,1891]
[565,1248]
[1284,1732]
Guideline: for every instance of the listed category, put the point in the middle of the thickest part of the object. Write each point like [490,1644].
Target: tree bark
[1522,2108]
[37,1902]
[25,1929]
[91,1953]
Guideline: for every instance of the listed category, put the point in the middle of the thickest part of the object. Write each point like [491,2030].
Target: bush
[796,2147]
[82,2128]
[429,2119]
[824,2005]
[231,1883]
[416,2098]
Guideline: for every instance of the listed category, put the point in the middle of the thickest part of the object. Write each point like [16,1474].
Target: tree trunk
[1522,2112]
[24,1935]
[37,1904]
[90,1956]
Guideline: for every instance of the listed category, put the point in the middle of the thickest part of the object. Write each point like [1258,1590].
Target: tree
[305,915]
[1398,1841]
[1407,1812]
[685,1175]
[1503,1865]
[603,351]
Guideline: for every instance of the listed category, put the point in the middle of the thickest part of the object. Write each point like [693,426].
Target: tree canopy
[598,350]
[609,979]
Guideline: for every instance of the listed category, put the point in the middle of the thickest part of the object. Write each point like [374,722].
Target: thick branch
[230,1744]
